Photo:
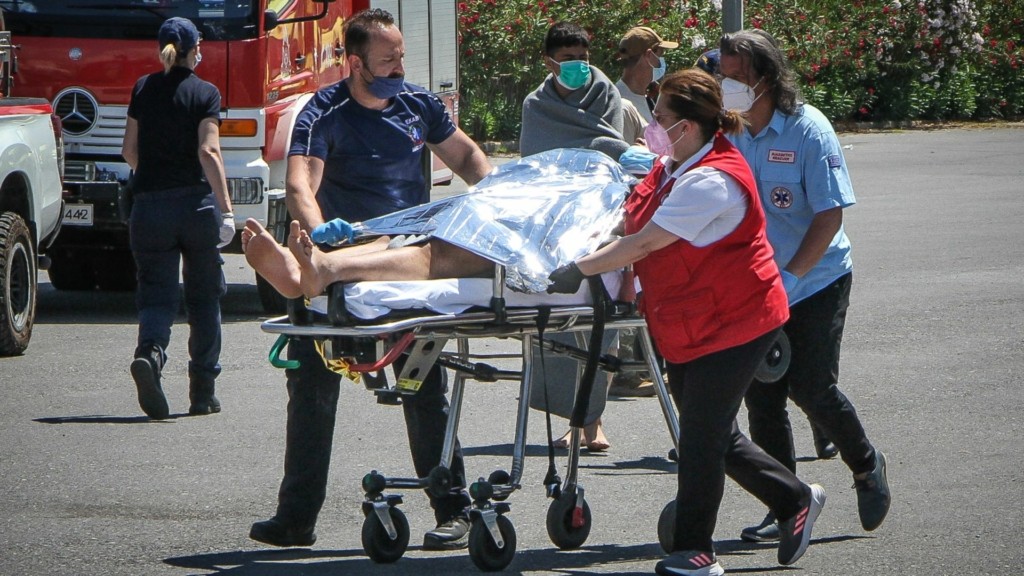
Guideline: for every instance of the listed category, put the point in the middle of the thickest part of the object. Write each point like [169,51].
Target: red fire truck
[267,57]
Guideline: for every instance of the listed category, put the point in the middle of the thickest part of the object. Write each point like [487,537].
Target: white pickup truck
[31,203]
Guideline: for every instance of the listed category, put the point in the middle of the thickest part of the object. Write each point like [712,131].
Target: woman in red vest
[714,301]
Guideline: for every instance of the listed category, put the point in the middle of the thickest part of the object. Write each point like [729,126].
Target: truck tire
[18,289]
[272,300]
[68,271]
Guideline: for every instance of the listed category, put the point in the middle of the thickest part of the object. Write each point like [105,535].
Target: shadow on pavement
[333,562]
[102,419]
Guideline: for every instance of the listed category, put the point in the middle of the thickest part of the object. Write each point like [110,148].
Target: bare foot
[563,442]
[595,439]
[309,259]
[271,260]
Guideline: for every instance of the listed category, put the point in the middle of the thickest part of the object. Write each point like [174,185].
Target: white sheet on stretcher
[370,300]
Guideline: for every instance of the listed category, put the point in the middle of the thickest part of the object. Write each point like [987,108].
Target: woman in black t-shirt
[182,210]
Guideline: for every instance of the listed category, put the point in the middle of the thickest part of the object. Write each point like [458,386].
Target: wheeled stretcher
[360,347]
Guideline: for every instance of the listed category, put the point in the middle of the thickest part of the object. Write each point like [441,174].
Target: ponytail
[168,56]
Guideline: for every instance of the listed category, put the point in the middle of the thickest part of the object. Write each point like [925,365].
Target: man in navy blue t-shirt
[357,153]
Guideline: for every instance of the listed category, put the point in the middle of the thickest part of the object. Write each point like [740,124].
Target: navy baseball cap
[708,62]
[179,31]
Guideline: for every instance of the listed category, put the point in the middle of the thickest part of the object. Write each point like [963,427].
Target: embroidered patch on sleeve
[834,161]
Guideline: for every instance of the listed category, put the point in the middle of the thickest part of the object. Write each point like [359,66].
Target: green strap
[275,355]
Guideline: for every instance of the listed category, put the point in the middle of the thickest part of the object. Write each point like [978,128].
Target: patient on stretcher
[302,269]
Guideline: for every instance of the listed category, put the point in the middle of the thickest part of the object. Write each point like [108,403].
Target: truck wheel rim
[19,288]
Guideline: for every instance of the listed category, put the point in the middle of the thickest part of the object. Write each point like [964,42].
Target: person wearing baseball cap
[181,213]
[708,62]
[642,53]
[179,32]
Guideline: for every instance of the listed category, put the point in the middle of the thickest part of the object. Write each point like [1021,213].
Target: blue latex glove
[637,160]
[789,281]
[333,232]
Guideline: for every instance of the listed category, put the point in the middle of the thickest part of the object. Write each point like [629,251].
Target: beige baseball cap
[637,40]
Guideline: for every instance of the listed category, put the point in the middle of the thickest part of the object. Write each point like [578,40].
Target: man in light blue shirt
[801,174]
[804,185]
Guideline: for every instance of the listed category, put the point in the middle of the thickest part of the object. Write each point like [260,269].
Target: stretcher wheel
[376,542]
[484,552]
[667,526]
[775,362]
[567,528]
[500,478]
[440,481]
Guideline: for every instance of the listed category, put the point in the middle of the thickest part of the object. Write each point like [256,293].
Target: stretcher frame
[423,339]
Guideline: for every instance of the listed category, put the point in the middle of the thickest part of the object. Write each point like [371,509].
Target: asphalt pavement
[933,356]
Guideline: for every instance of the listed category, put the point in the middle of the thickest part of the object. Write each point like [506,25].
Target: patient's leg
[271,260]
[432,260]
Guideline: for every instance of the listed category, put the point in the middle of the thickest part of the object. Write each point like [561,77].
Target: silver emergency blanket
[532,215]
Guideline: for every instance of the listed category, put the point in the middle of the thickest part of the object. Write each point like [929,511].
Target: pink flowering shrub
[856,59]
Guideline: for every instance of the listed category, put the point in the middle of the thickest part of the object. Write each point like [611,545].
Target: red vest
[702,300]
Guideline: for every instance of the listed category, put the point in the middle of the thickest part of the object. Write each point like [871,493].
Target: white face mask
[738,96]
[658,139]
[199,58]
[659,70]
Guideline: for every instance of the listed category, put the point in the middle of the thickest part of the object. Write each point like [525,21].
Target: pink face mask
[658,139]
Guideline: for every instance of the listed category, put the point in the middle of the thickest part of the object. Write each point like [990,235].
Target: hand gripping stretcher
[361,349]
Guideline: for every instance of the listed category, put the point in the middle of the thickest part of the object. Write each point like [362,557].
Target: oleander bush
[862,60]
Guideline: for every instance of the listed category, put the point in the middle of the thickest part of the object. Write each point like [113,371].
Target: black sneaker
[452,535]
[277,533]
[145,371]
[690,563]
[873,496]
[766,531]
[795,533]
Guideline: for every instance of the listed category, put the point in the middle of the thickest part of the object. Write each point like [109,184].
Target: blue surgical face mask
[573,74]
[659,70]
[384,87]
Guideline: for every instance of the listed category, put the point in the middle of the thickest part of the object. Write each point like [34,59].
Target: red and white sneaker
[795,533]
[690,563]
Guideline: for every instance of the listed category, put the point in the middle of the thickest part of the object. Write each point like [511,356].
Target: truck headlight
[245,190]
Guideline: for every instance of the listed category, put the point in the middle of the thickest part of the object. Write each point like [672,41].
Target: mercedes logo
[77,109]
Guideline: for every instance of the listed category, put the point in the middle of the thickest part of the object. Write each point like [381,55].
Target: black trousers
[815,331]
[312,409]
[707,393]
[168,228]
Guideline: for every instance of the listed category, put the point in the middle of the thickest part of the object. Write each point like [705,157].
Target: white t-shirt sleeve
[704,206]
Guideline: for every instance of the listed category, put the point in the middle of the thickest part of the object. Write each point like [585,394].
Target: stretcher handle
[388,358]
[275,355]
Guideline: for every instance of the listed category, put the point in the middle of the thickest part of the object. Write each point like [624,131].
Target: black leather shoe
[276,533]
[823,447]
[452,535]
[766,531]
